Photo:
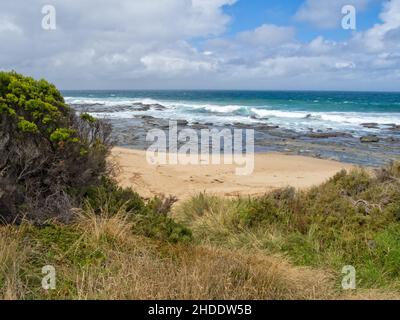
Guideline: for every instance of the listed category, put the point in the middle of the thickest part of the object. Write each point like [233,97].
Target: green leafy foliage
[88,118]
[109,197]
[62,134]
[27,126]
[149,218]
[49,156]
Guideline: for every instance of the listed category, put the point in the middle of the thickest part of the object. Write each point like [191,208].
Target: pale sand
[271,171]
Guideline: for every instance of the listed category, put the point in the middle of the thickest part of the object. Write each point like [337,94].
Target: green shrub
[259,211]
[111,198]
[48,155]
[62,134]
[150,219]
[161,227]
[27,126]
[88,118]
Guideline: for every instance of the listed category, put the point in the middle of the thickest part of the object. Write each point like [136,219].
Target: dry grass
[200,273]
[11,259]
[97,226]
[138,268]
[135,267]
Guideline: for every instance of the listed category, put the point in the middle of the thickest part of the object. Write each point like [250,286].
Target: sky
[204,44]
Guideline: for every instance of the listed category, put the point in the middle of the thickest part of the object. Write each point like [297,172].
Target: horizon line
[245,90]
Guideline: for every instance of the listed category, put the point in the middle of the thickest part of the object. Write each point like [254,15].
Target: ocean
[328,125]
[297,111]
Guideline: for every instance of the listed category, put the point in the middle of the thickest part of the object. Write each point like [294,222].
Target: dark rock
[146,117]
[146,107]
[395,127]
[324,135]
[267,127]
[240,125]
[182,122]
[369,139]
[158,106]
[370,125]
[141,107]
[198,126]
[392,139]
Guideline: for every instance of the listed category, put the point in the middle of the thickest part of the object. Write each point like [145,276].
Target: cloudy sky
[204,44]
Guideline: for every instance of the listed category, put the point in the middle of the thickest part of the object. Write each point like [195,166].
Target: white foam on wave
[113,115]
[239,113]
[147,101]
[263,113]
[110,102]
[355,118]
[359,118]
[215,108]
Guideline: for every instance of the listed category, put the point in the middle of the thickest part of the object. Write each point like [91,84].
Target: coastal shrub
[352,219]
[255,212]
[149,218]
[161,227]
[49,156]
[111,198]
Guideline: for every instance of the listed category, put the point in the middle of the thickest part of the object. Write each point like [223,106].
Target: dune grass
[287,244]
[353,219]
[100,258]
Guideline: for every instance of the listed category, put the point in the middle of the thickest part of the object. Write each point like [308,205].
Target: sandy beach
[272,170]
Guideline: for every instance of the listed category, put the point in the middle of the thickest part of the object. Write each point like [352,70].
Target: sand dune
[271,171]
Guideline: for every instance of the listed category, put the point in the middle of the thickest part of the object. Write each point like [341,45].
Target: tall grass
[353,219]
[94,261]
[287,244]
[11,260]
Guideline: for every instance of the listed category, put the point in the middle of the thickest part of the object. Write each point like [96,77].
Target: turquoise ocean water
[298,111]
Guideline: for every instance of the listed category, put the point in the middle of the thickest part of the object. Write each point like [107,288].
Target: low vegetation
[60,206]
[49,156]
[353,219]
[285,245]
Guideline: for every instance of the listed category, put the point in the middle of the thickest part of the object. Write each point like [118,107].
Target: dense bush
[49,156]
[111,198]
[150,218]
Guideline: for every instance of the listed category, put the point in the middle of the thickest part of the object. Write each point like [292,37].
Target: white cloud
[8,25]
[321,46]
[326,14]
[378,37]
[345,65]
[170,64]
[267,35]
[182,44]
[101,40]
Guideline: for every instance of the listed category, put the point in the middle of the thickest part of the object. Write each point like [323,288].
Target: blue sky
[204,44]
[250,14]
